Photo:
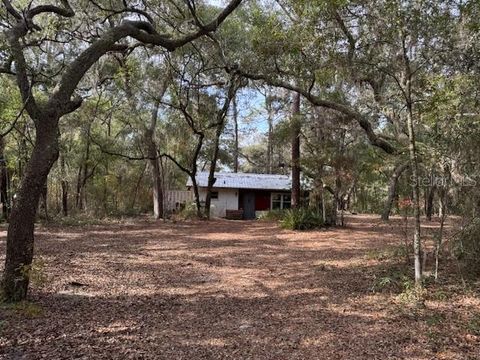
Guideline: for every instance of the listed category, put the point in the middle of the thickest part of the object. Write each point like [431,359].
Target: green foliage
[411,294]
[440,295]
[24,308]
[272,215]
[396,280]
[466,248]
[295,219]
[36,272]
[473,324]
[435,319]
[189,212]
[302,219]
[389,253]
[84,219]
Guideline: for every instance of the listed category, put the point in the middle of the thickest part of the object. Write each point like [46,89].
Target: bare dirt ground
[232,290]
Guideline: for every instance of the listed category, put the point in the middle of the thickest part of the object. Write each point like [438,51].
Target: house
[245,193]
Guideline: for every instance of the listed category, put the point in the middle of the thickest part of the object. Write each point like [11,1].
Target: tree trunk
[336,200]
[153,158]
[417,244]
[157,189]
[236,150]
[4,181]
[211,174]
[269,106]
[220,125]
[137,187]
[44,202]
[78,197]
[20,239]
[316,194]
[64,186]
[392,190]
[296,128]
[438,245]
[429,205]
[84,175]
[412,150]
[196,194]
[347,198]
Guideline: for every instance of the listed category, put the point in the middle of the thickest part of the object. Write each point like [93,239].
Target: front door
[248,206]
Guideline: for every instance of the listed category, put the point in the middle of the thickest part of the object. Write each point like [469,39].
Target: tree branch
[140,30]
[364,123]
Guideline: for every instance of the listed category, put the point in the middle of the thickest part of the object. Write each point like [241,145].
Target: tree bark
[417,244]
[392,190]
[64,186]
[413,156]
[269,106]
[4,181]
[84,173]
[220,125]
[157,189]
[236,150]
[44,200]
[60,102]
[296,128]
[152,152]
[429,205]
[19,252]
[211,174]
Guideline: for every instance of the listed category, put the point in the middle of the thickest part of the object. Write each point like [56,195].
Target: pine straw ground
[234,290]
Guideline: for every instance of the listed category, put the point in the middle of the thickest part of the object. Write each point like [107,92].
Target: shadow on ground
[221,290]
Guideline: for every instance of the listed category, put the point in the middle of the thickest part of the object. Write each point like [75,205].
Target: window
[281,201]
[214,195]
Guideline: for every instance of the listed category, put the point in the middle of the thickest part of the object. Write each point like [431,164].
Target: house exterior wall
[227,200]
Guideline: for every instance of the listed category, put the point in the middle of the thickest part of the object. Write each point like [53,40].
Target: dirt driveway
[227,290]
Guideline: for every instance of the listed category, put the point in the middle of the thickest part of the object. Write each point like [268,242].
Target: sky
[251,105]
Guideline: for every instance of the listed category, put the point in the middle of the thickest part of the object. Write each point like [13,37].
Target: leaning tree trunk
[211,173]
[44,200]
[19,253]
[220,125]
[296,128]
[392,190]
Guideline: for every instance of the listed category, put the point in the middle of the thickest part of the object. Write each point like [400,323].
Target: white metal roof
[245,181]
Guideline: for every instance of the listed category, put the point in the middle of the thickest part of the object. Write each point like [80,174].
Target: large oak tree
[46,102]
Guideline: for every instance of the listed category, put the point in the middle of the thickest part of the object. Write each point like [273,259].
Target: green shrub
[36,272]
[388,253]
[79,220]
[395,280]
[301,219]
[25,308]
[473,325]
[466,247]
[189,212]
[272,215]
